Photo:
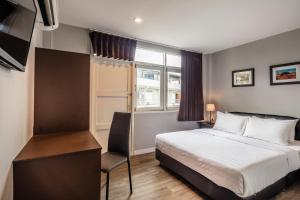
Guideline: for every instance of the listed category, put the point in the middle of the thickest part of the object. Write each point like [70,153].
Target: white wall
[262,98]
[16,116]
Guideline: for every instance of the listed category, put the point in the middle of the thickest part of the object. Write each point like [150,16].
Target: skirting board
[144,151]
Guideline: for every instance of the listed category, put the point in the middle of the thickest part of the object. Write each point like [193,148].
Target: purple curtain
[111,46]
[191,103]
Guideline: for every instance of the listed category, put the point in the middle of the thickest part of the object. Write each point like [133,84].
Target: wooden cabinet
[62,160]
[64,166]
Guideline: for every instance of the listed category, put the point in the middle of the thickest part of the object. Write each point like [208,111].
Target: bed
[227,166]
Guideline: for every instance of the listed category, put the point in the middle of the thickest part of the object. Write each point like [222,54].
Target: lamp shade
[210,107]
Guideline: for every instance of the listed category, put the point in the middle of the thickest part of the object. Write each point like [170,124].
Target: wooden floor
[150,181]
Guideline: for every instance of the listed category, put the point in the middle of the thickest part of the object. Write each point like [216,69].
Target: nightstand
[205,124]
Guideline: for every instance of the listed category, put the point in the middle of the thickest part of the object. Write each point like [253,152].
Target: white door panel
[106,106]
[112,79]
[111,92]
[102,138]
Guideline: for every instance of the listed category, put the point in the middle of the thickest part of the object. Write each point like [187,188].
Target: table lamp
[210,108]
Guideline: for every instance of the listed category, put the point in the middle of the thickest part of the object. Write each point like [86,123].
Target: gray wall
[263,98]
[148,125]
[67,38]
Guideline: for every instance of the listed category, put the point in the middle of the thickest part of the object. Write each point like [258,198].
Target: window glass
[174,89]
[173,60]
[148,56]
[148,88]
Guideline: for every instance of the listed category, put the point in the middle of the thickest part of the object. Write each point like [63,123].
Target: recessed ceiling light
[138,20]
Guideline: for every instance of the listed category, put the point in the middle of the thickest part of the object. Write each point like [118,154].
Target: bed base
[216,192]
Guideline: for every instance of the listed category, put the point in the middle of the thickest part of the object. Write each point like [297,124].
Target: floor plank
[152,182]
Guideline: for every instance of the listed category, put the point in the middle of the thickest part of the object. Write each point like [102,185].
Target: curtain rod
[146,41]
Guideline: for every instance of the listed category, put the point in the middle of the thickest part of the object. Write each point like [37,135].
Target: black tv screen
[17,19]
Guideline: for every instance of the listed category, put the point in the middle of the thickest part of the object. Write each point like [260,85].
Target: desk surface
[41,146]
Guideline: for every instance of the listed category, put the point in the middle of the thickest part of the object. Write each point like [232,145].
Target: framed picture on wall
[243,78]
[285,74]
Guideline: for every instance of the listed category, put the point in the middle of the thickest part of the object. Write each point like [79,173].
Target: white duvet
[243,165]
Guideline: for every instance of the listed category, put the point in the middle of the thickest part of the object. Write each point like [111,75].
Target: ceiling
[199,25]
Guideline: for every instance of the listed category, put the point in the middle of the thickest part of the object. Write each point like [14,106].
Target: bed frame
[216,192]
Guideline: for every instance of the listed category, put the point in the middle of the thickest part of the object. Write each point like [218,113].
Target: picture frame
[285,74]
[243,78]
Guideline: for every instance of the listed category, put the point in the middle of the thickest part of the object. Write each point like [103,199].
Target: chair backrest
[118,140]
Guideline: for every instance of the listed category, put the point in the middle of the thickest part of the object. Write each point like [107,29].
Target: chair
[118,147]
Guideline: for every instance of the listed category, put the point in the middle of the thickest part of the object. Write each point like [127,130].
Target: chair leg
[129,174]
[107,185]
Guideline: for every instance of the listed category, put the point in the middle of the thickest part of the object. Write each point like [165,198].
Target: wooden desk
[63,166]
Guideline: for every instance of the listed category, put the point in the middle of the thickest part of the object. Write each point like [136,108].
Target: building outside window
[148,90]
[174,89]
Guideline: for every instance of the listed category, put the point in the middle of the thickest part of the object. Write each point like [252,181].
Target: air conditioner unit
[49,14]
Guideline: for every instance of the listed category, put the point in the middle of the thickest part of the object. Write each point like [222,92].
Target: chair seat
[111,160]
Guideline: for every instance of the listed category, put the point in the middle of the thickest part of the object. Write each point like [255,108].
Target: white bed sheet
[243,165]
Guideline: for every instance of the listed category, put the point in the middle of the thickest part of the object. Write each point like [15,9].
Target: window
[148,56]
[158,80]
[173,60]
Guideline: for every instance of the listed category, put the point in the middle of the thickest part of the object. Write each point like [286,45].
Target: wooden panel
[62,91]
[73,176]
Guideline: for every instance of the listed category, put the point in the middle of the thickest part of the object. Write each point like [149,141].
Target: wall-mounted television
[17,19]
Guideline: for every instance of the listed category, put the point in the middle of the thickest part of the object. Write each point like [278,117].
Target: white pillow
[292,132]
[270,130]
[231,123]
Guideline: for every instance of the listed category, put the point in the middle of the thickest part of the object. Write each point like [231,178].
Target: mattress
[243,165]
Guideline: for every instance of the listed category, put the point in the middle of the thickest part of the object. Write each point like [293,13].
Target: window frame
[163,84]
